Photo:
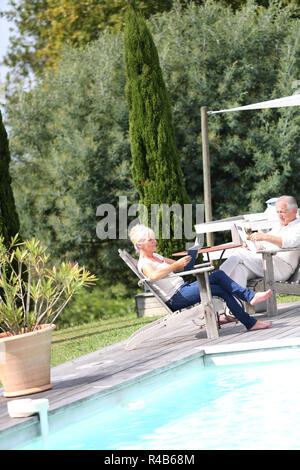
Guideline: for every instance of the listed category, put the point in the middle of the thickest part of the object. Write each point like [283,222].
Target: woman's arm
[156,274]
[169,260]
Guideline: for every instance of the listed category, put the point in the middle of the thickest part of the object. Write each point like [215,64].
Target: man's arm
[265,237]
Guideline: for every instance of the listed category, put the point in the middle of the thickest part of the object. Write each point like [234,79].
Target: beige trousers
[246,264]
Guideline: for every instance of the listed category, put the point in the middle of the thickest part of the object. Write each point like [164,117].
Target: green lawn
[281,298]
[69,343]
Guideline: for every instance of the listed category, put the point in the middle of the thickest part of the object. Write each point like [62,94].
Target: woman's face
[149,243]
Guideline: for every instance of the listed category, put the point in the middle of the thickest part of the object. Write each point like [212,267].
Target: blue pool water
[249,406]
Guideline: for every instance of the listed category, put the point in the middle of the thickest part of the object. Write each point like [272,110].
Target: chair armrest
[273,251]
[205,268]
[202,265]
[200,268]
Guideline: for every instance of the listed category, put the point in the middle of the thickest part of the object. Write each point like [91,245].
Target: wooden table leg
[207,305]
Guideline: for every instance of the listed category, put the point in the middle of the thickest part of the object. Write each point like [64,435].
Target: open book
[193,252]
[244,236]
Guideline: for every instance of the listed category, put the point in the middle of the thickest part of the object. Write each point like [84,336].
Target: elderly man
[246,264]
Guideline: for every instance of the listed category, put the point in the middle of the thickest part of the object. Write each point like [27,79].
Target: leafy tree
[44,27]
[71,153]
[276,159]
[80,22]
[28,19]
[214,57]
[9,220]
[155,162]
[69,136]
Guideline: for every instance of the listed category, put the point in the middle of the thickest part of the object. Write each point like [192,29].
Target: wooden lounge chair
[289,287]
[203,314]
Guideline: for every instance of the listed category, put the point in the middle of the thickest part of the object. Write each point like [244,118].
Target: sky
[4,35]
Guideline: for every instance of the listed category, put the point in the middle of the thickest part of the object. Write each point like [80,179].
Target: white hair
[290,202]
[138,233]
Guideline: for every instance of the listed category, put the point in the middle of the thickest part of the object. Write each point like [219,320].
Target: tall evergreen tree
[9,220]
[155,161]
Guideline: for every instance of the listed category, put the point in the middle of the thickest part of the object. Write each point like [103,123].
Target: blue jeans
[222,286]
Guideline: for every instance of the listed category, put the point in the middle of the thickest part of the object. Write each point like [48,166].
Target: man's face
[285,216]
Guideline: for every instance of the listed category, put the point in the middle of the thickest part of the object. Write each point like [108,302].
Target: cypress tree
[156,167]
[9,220]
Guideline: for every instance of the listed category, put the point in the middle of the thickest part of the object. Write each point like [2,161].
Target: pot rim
[5,336]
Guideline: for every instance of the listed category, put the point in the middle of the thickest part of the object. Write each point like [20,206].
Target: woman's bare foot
[261,325]
[260,297]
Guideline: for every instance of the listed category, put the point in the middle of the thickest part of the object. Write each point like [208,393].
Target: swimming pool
[192,406]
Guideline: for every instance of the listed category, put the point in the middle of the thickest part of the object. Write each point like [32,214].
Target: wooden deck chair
[194,313]
[289,287]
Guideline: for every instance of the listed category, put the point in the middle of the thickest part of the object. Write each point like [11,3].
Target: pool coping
[214,355]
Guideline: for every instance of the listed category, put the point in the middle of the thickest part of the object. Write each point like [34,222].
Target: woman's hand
[181,263]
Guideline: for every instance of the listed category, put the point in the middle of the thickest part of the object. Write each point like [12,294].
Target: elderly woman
[179,294]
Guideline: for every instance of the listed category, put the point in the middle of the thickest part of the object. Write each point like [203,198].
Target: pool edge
[279,349]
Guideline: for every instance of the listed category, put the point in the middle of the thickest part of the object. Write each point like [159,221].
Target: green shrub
[96,304]
[69,137]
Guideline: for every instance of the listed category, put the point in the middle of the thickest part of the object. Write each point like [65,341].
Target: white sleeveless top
[166,286]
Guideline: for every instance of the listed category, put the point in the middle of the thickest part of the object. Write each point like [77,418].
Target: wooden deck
[92,375]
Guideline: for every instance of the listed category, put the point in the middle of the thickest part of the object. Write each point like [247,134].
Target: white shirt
[290,235]
[166,286]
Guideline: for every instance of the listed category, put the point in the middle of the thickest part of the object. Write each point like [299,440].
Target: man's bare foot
[260,297]
[261,325]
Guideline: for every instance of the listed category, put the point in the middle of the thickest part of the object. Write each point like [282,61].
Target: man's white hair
[290,201]
[139,233]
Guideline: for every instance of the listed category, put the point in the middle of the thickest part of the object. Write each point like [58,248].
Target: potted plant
[32,296]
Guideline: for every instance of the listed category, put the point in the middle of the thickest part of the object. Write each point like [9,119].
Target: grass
[72,342]
[281,298]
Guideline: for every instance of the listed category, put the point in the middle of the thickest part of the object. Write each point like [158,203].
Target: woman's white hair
[138,233]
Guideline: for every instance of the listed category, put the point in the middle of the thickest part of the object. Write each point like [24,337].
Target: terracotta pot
[25,361]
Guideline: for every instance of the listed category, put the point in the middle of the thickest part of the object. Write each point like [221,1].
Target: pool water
[248,406]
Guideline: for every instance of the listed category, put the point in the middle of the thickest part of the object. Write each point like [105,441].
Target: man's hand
[257,237]
[265,237]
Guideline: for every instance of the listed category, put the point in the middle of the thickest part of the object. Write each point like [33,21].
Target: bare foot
[261,325]
[261,296]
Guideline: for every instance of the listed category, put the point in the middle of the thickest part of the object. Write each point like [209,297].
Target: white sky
[4,35]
